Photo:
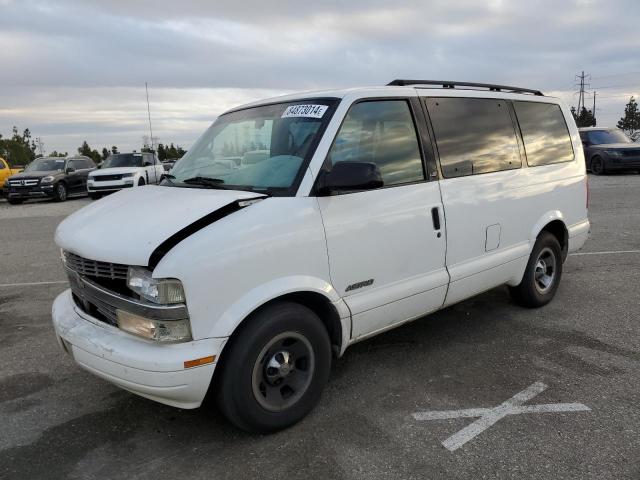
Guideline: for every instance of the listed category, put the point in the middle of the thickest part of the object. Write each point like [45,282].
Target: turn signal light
[199,361]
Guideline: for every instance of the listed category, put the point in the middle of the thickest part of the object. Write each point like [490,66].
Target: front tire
[60,194]
[95,195]
[597,166]
[274,369]
[141,182]
[15,201]
[543,273]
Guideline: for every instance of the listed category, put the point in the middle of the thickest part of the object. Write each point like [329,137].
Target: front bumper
[38,191]
[109,186]
[146,368]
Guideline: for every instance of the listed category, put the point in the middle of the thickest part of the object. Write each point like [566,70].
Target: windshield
[599,137]
[46,165]
[123,160]
[263,148]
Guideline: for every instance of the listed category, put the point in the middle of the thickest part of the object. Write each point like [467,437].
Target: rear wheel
[60,194]
[543,273]
[15,201]
[597,166]
[274,369]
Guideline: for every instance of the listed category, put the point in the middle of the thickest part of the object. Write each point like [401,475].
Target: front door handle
[435,216]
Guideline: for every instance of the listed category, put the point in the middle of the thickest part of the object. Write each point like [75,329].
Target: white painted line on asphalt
[611,252]
[489,416]
[31,284]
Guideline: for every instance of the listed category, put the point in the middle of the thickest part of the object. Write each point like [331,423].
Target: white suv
[366,208]
[124,170]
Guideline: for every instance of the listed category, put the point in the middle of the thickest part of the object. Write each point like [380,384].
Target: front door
[386,246]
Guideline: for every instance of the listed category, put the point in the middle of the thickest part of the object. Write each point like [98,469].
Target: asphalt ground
[57,421]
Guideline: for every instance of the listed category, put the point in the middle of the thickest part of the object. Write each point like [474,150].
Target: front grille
[106,178]
[109,187]
[94,268]
[27,182]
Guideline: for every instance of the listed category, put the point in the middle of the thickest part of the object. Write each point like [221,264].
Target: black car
[50,177]
[609,150]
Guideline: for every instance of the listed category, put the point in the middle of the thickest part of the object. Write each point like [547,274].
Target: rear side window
[545,134]
[473,135]
[381,132]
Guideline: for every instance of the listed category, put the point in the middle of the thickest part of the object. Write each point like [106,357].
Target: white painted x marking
[489,416]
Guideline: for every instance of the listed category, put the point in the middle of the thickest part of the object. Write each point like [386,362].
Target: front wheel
[95,195]
[141,182]
[597,166]
[15,201]
[60,194]
[543,273]
[274,369]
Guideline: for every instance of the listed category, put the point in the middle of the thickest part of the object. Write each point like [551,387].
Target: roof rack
[471,85]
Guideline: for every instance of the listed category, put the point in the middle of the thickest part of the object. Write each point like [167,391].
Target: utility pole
[594,103]
[149,113]
[40,145]
[583,85]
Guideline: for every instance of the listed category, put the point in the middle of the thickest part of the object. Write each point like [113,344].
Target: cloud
[86,62]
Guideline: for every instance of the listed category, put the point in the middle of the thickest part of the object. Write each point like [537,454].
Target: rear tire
[274,369]
[543,273]
[60,194]
[597,166]
[15,201]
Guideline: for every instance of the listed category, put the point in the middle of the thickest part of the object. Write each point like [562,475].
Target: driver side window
[381,132]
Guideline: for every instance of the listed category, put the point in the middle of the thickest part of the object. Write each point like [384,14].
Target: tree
[58,154]
[105,153]
[630,123]
[114,150]
[19,150]
[86,150]
[585,118]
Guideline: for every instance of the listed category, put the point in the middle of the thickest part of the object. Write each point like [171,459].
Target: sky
[74,71]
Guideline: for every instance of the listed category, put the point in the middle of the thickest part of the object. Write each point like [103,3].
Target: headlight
[158,330]
[127,175]
[613,153]
[47,179]
[163,291]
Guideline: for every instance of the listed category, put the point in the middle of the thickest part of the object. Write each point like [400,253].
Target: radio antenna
[149,114]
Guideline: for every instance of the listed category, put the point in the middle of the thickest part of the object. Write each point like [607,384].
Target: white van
[124,170]
[369,208]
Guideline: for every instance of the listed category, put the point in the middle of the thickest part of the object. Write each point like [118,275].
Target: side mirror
[70,170]
[350,176]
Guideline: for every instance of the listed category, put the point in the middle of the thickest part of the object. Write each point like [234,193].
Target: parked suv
[50,177]
[365,209]
[609,150]
[125,170]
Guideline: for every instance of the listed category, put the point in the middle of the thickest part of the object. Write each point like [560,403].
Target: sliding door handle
[435,216]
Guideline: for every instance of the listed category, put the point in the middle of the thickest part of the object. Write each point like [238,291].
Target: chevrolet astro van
[297,226]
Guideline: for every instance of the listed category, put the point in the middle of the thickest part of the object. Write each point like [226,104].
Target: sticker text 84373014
[311,111]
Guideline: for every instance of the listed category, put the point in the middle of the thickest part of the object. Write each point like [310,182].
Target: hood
[115,171]
[128,226]
[617,146]
[36,174]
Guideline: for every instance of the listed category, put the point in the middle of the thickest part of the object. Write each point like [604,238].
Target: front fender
[257,297]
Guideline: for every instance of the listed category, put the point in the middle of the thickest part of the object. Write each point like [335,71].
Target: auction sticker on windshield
[311,111]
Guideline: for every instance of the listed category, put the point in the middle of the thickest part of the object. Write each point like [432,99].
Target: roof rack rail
[471,85]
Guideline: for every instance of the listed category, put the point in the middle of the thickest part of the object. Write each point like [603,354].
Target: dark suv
[609,150]
[50,177]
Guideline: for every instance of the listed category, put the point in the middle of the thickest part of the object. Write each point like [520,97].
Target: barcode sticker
[309,111]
